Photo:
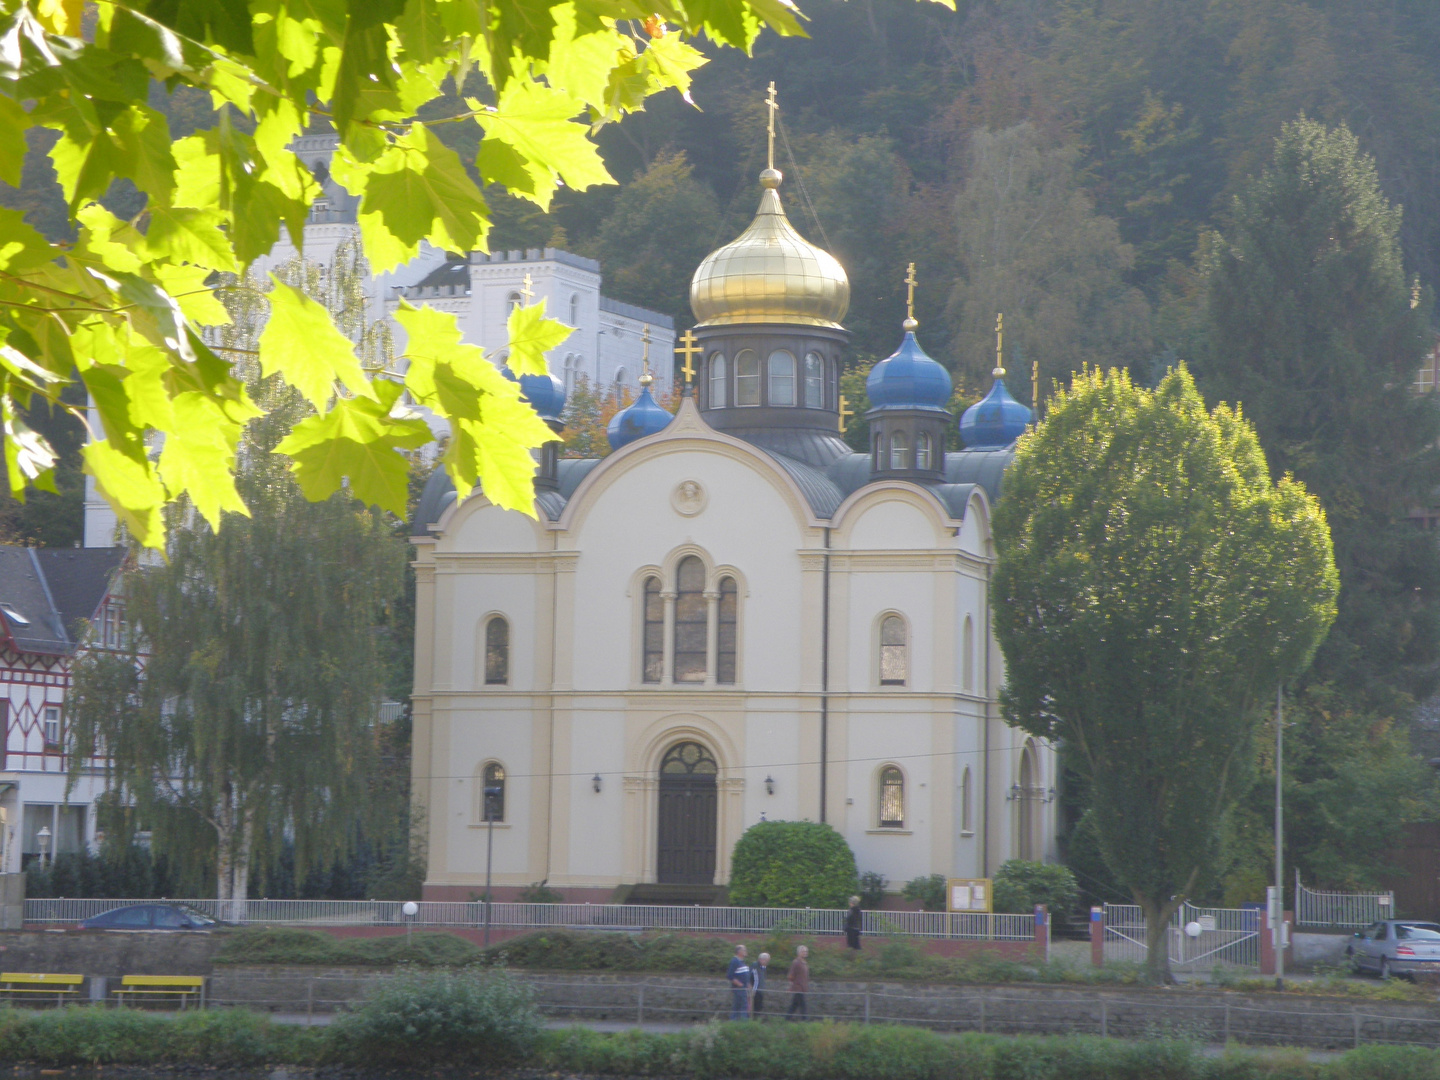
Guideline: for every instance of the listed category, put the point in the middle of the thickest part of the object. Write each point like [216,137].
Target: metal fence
[1317,907]
[927,924]
[1228,936]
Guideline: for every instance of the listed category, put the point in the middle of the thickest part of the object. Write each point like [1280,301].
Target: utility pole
[491,794]
[1279,931]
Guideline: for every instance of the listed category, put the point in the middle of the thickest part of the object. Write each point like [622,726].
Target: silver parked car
[1395,947]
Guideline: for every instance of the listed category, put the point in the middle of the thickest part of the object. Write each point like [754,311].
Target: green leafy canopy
[123,308]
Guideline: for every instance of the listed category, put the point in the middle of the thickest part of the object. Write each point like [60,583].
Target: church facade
[732,617]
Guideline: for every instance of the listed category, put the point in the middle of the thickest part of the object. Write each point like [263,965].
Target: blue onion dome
[995,421]
[908,379]
[644,417]
[546,393]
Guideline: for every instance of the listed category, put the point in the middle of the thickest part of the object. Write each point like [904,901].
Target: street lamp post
[43,836]
[409,910]
[492,796]
[1279,931]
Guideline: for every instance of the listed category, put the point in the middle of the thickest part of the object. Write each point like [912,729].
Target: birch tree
[247,711]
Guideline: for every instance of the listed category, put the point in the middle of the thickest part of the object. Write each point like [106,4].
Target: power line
[804,194]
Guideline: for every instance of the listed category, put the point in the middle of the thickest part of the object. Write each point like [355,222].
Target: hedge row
[233,1038]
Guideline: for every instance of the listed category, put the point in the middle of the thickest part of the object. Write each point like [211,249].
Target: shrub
[872,889]
[426,1018]
[792,864]
[290,945]
[928,892]
[539,892]
[1020,885]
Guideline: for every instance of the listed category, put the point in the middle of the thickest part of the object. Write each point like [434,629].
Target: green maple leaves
[126,308]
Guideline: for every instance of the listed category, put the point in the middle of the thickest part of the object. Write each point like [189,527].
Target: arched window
[899,451]
[892,651]
[814,381]
[728,625]
[922,450]
[878,447]
[967,822]
[892,798]
[967,655]
[497,651]
[747,378]
[574,309]
[782,377]
[717,380]
[692,621]
[620,375]
[513,301]
[492,793]
[653,645]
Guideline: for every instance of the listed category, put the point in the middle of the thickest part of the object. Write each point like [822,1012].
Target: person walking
[853,919]
[757,973]
[739,977]
[799,978]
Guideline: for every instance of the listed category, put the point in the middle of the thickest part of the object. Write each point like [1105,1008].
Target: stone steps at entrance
[664,894]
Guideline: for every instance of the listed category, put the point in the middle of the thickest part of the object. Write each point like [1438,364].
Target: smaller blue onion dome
[995,421]
[908,379]
[546,394]
[644,417]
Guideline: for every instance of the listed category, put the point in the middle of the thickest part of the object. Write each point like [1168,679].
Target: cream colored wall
[575,706]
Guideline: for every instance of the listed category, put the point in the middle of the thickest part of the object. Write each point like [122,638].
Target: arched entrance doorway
[1025,809]
[686,851]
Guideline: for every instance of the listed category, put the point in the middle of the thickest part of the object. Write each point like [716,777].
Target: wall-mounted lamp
[769,785]
[1016,793]
[1050,795]
[596,782]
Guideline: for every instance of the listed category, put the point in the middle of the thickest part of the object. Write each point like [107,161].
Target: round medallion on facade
[688,498]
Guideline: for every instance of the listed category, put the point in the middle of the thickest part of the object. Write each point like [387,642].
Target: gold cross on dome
[999,371]
[527,291]
[645,377]
[773,105]
[845,411]
[689,348]
[910,283]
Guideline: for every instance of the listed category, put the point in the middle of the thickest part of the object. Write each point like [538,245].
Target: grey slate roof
[54,591]
[824,469]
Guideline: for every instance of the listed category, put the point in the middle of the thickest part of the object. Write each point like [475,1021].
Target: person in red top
[799,976]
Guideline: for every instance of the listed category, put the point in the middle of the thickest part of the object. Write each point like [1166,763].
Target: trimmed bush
[1020,885]
[429,1018]
[928,892]
[792,864]
[289,945]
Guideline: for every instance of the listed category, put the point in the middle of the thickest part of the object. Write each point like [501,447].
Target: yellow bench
[38,982]
[185,987]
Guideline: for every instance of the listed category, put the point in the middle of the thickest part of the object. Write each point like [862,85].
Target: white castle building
[732,617]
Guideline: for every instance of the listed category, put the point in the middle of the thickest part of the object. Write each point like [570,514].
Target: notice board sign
[968,894]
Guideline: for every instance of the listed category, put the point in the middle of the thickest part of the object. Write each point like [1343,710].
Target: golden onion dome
[770,274]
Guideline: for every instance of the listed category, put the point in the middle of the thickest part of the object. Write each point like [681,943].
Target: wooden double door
[687,818]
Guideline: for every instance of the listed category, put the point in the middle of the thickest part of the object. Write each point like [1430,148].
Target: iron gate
[1228,936]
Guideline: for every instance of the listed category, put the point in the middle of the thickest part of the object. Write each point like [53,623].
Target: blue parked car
[150,917]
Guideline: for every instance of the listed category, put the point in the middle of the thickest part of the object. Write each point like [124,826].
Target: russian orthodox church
[730,618]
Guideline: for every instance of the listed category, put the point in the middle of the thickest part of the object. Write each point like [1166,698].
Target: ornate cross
[845,411]
[910,282]
[527,291]
[771,103]
[689,349]
[1035,389]
[999,371]
[645,377]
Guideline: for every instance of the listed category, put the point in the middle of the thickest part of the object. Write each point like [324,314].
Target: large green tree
[1310,322]
[123,305]
[1153,587]
[247,713]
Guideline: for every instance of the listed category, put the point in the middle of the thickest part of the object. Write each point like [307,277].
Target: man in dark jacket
[853,919]
[757,973]
[739,976]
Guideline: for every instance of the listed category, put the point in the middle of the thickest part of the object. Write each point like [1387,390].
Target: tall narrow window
[492,793]
[512,302]
[653,647]
[574,309]
[728,625]
[832,379]
[967,822]
[899,451]
[892,651]
[782,377]
[497,652]
[52,727]
[692,620]
[814,381]
[922,450]
[747,378]
[717,380]
[878,446]
[892,798]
